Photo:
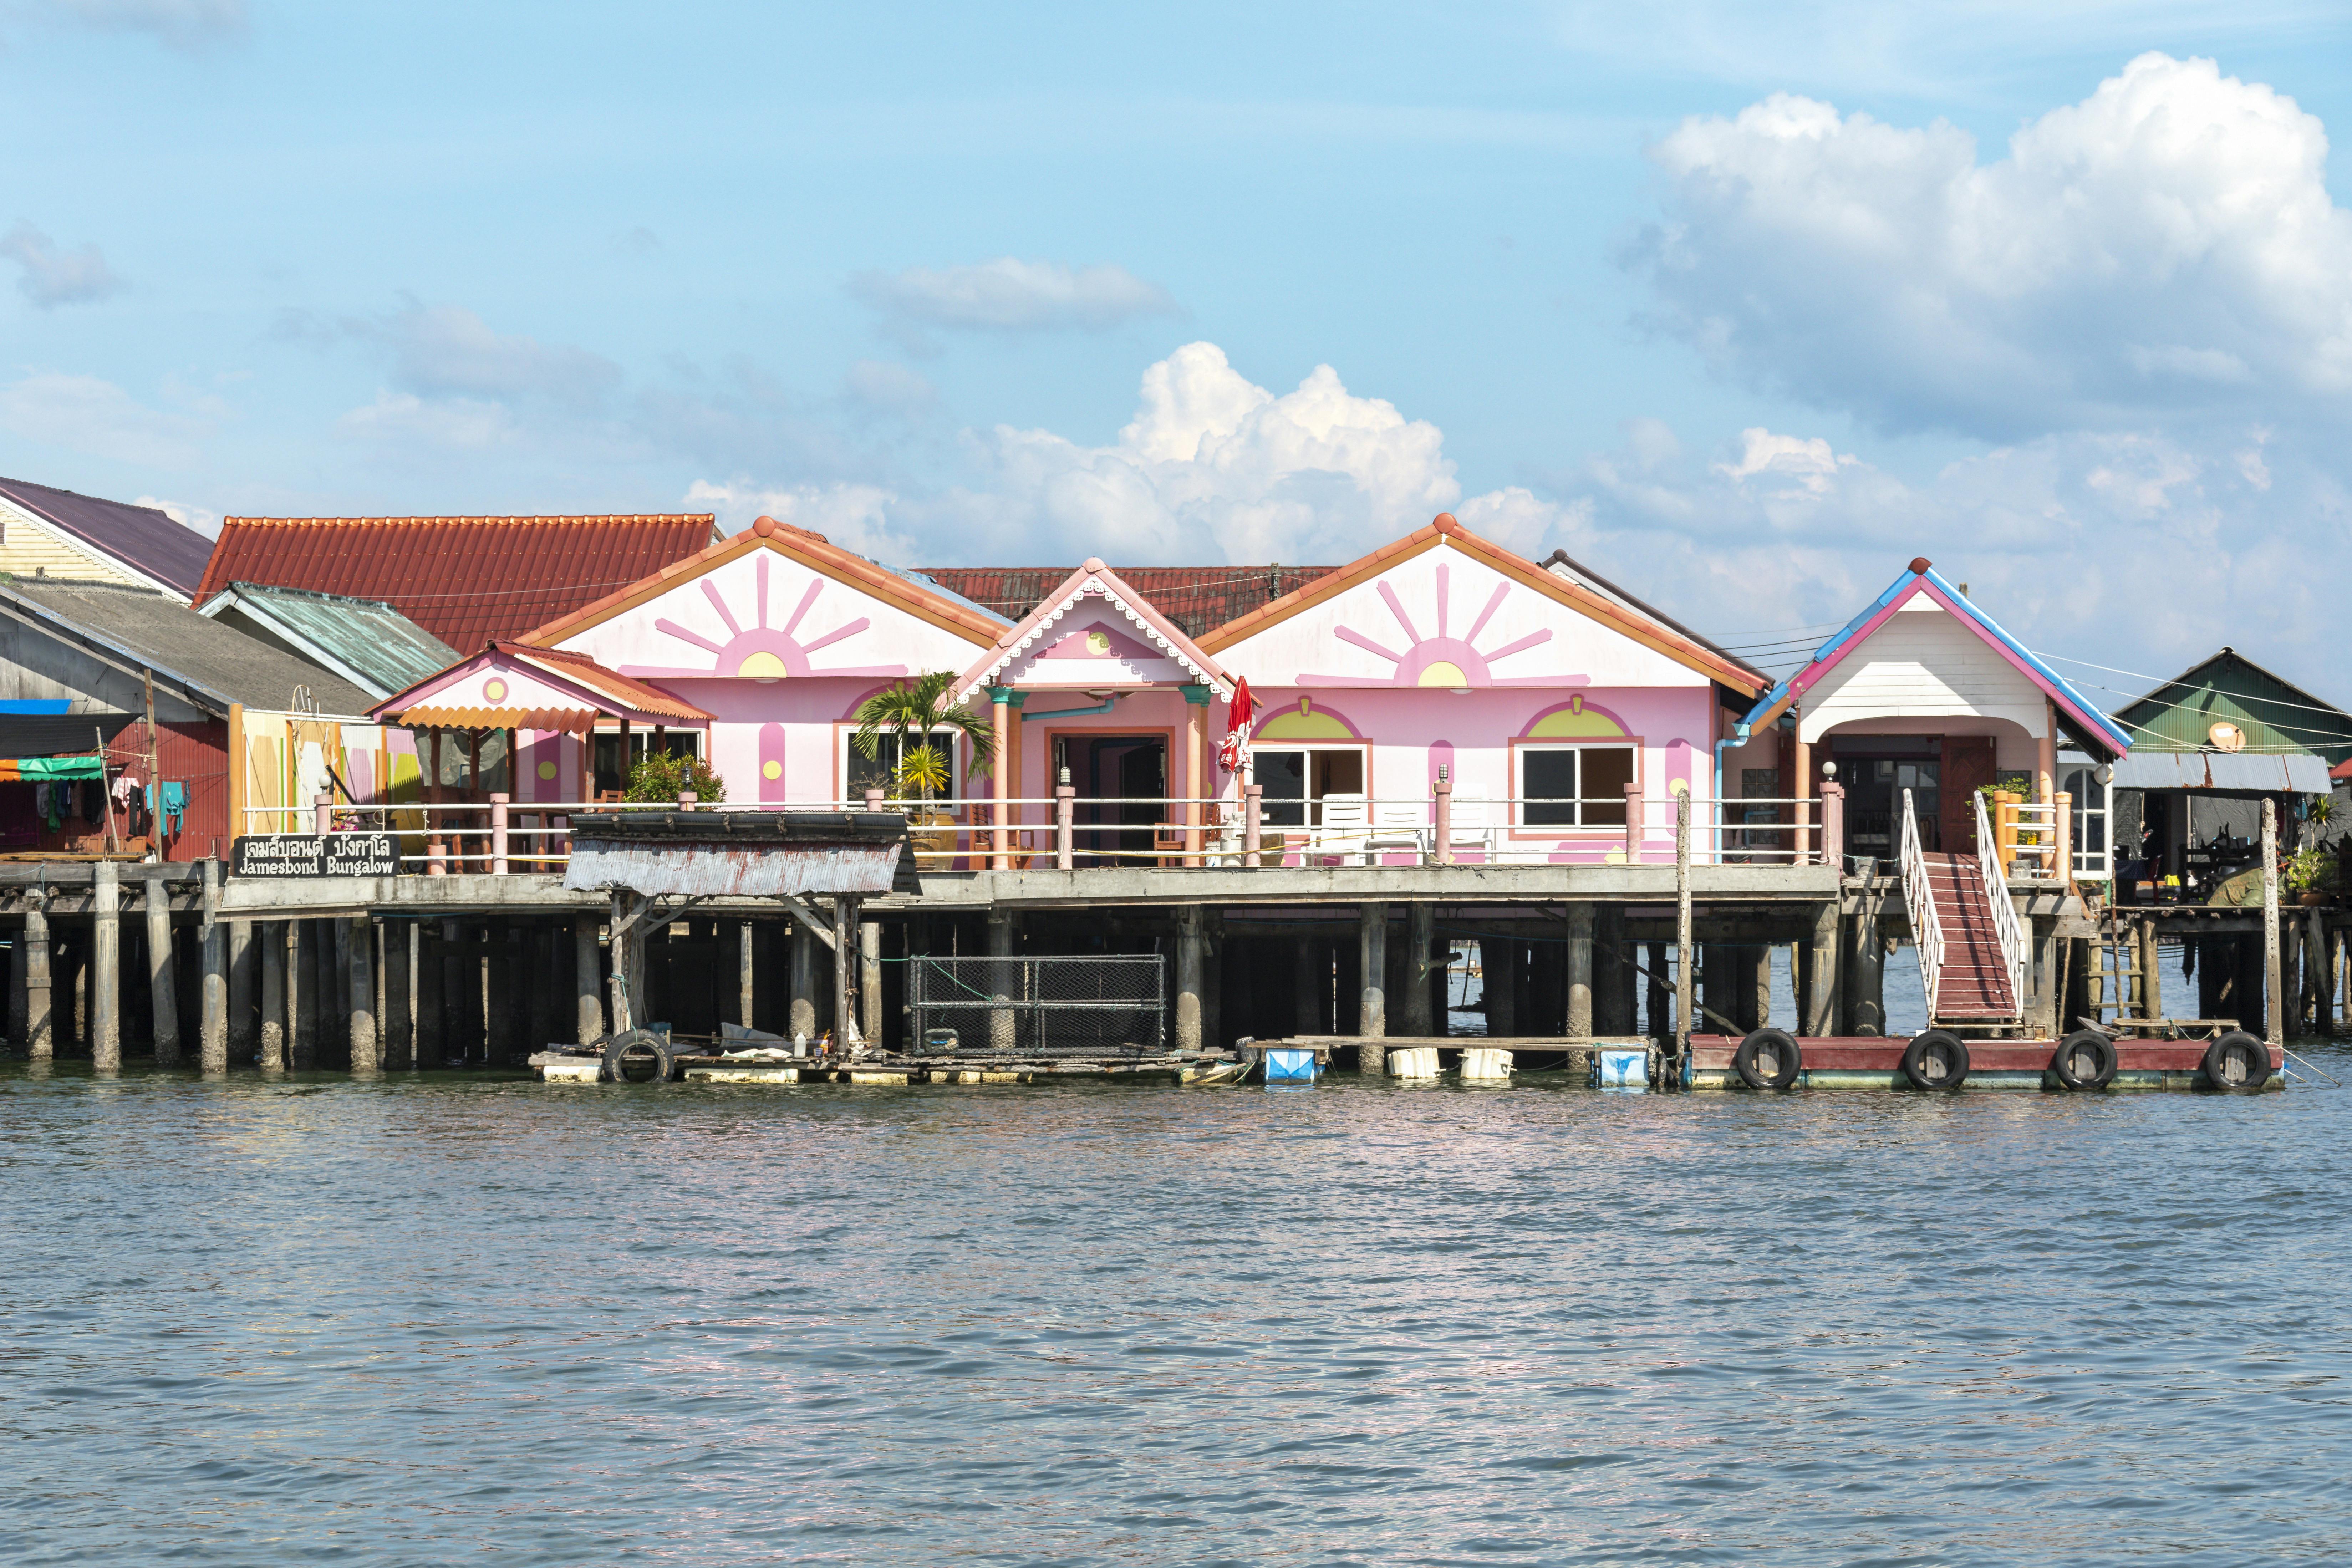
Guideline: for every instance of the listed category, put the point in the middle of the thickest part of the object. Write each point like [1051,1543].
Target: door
[1967,767]
[1132,771]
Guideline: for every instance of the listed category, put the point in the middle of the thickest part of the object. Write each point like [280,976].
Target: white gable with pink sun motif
[1444,618]
[765,616]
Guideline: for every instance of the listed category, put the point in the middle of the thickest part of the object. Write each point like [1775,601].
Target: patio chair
[1396,824]
[1346,821]
[1473,823]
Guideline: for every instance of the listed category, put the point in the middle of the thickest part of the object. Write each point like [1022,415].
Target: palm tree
[921,708]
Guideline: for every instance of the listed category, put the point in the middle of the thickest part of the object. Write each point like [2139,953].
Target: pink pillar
[1065,812]
[1252,823]
[1632,824]
[1832,822]
[498,832]
[1446,815]
[322,812]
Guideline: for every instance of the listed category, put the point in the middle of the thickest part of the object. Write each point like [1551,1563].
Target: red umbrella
[1233,755]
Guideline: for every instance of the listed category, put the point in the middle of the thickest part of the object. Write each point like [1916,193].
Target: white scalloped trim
[1095,586]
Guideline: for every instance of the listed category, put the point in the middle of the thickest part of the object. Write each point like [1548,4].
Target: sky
[1742,305]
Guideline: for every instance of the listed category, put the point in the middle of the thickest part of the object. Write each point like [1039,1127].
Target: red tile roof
[466,580]
[1199,599]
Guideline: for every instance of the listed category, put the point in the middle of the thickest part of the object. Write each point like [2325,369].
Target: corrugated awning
[2259,772]
[429,717]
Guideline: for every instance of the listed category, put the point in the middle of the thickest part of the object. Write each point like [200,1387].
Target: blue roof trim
[2024,655]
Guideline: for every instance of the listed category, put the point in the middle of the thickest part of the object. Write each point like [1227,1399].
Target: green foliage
[2015,783]
[659,778]
[916,710]
[2311,870]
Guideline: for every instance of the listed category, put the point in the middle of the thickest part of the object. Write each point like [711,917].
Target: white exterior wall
[1925,664]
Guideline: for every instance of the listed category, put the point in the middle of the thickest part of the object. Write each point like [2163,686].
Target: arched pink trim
[1320,706]
[1527,730]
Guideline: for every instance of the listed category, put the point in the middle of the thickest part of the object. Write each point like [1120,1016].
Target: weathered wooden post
[1866,960]
[302,991]
[399,1026]
[244,984]
[1579,1024]
[2274,997]
[1001,1025]
[212,933]
[106,967]
[366,1052]
[1372,1010]
[1821,972]
[1420,934]
[161,991]
[1657,1004]
[272,942]
[587,979]
[869,979]
[804,1007]
[40,1041]
[2151,974]
[845,1030]
[1188,977]
[1682,954]
[747,998]
[2319,965]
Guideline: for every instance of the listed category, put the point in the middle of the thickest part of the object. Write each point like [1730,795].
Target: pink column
[1632,824]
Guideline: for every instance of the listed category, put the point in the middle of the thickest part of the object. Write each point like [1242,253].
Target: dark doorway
[1876,770]
[1129,769]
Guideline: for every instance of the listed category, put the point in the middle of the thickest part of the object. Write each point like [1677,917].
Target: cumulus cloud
[856,517]
[202,520]
[403,418]
[88,414]
[51,277]
[443,350]
[183,24]
[2166,247]
[1008,295]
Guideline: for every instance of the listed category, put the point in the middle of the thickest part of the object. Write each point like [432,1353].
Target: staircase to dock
[1971,948]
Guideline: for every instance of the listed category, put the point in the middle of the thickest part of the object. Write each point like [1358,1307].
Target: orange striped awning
[429,717]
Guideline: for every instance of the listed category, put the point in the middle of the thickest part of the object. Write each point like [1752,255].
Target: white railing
[2004,912]
[2033,835]
[499,835]
[1919,900]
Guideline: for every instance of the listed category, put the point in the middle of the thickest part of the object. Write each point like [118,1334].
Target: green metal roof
[367,636]
[2278,716]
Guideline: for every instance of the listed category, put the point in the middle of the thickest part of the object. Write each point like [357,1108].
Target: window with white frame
[1573,786]
[2088,821]
[1293,781]
[860,772]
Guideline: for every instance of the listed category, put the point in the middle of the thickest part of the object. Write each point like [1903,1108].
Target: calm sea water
[453,1320]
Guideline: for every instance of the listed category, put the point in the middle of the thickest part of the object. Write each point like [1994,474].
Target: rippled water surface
[460,1320]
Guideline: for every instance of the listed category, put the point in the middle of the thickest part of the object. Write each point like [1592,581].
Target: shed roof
[2275,714]
[209,664]
[143,538]
[2077,714]
[601,691]
[366,641]
[1196,599]
[466,580]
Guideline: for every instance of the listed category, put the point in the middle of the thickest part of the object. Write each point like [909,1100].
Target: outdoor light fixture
[1829,770]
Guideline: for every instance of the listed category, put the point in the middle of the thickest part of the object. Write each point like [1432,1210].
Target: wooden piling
[2318,942]
[1372,1004]
[244,993]
[747,968]
[587,979]
[105,960]
[1821,972]
[2151,970]
[399,960]
[1657,1008]
[869,978]
[803,1008]
[1421,935]
[2274,997]
[359,945]
[40,1040]
[271,939]
[1613,977]
[302,959]
[161,995]
[1189,966]
[212,935]
[16,1000]
[1582,1009]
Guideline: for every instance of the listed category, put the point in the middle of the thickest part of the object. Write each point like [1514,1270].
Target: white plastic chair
[1396,824]
[1346,820]
[1473,823]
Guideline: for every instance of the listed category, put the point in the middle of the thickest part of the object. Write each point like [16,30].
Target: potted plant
[2311,874]
[917,710]
[659,778]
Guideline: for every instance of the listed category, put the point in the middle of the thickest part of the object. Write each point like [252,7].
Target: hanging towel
[45,805]
[176,803]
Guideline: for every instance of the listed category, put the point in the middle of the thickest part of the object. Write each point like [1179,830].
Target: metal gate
[1083,1008]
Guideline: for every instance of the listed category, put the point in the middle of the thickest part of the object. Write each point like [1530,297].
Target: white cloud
[1009,295]
[888,387]
[856,517]
[1862,266]
[461,424]
[87,413]
[443,351]
[202,520]
[183,24]
[52,276]
[1811,463]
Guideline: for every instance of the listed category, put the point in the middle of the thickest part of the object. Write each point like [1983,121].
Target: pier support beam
[1189,966]
[1612,978]
[244,993]
[163,995]
[302,995]
[1420,934]
[40,1043]
[431,1002]
[1658,1011]
[1310,985]
[212,1011]
[1372,1009]
[1498,985]
[587,979]
[271,939]
[2151,970]
[366,1052]
[803,1009]
[869,977]
[1000,982]
[2319,971]
[106,977]
[1584,1007]
[747,968]
[399,1021]
[1821,972]
[1866,968]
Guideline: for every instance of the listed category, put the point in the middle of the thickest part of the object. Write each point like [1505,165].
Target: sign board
[315,855]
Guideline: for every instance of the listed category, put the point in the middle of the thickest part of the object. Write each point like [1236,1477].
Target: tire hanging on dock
[2237,1060]
[637,1048]
[1937,1059]
[2084,1061]
[1767,1059]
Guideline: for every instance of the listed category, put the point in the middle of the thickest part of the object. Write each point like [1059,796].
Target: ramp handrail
[1919,900]
[2004,911]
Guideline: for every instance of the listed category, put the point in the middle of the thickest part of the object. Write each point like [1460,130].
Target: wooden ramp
[1973,986]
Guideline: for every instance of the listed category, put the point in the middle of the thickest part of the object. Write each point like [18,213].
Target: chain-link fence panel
[1063,1008]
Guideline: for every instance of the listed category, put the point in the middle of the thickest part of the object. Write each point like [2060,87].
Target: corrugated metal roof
[143,538]
[217,664]
[2260,772]
[466,580]
[1198,599]
[367,636]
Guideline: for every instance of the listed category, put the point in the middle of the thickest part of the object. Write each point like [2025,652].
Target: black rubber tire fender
[2084,1048]
[2237,1060]
[633,1045]
[1777,1046]
[1936,1060]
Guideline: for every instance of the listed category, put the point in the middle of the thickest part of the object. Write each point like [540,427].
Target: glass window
[1574,787]
[861,772]
[1295,779]
[2087,820]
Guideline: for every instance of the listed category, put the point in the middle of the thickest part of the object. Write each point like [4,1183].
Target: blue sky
[1745,306]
